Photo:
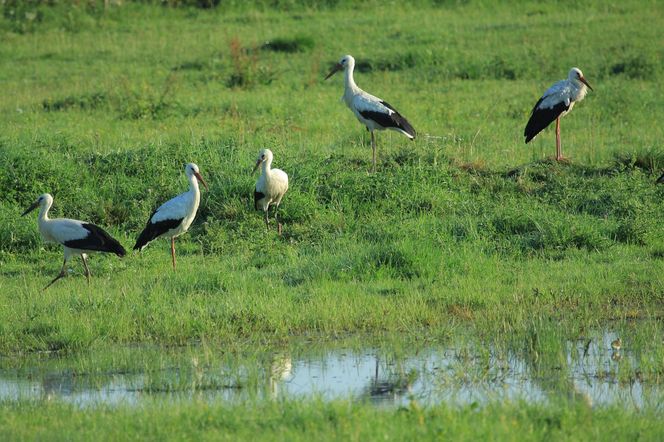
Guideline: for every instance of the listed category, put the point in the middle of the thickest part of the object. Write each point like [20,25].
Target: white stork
[76,237]
[174,217]
[371,111]
[270,187]
[557,101]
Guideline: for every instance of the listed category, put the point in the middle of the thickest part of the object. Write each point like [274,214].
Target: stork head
[44,200]
[346,62]
[191,169]
[575,74]
[265,155]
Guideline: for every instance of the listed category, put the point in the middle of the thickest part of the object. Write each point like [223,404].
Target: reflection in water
[390,385]
[587,373]
[281,368]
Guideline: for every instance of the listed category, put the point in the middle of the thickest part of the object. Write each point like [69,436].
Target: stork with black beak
[174,217]
[76,237]
[373,112]
[270,187]
[556,102]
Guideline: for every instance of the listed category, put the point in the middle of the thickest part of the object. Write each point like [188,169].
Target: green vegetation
[325,421]
[465,225]
[464,229]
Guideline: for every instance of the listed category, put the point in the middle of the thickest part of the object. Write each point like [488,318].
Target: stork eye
[263,157]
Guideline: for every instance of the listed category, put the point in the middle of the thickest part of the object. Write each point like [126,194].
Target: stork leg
[559,155]
[276,220]
[267,221]
[87,270]
[373,151]
[62,274]
[173,251]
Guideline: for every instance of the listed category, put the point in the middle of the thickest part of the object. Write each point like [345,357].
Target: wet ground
[588,370]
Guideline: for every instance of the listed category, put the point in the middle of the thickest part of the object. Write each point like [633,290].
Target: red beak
[584,81]
[200,178]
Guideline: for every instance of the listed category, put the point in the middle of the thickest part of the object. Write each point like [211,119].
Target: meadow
[465,230]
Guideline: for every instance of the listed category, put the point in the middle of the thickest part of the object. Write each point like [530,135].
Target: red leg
[173,251]
[87,270]
[373,152]
[62,274]
[559,154]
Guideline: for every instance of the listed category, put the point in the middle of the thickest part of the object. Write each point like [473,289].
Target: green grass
[466,219]
[288,420]
[465,228]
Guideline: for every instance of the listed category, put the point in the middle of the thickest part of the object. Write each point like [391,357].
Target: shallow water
[385,376]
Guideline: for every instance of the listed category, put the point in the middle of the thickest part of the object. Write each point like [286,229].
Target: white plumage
[174,217]
[371,111]
[77,238]
[270,187]
[556,102]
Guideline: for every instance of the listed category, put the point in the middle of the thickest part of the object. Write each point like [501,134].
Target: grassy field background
[325,421]
[465,224]
[465,229]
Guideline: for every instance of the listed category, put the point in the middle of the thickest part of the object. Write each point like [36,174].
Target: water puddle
[589,371]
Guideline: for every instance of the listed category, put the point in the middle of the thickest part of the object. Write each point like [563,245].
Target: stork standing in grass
[556,102]
[371,111]
[76,237]
[270,187]
[174,217]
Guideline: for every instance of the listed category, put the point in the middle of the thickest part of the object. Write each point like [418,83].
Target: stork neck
[43,211]
[267,166]
[349,81]
[580,90]
[193,184]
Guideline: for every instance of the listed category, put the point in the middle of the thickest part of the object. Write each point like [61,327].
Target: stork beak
[584,81]
[258,163]
[337,67]
[200,178]
[31,208]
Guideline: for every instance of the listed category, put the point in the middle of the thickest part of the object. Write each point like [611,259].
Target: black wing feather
[97,240]
[540,118]
[155,230]
[395,119]
[257,197]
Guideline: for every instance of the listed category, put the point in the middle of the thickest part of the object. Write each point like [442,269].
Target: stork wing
[550,106]
[173,209]
[364,102]
[257,197]
[84,236]
[168,216]
[63,229]
[383,113]
[98,240]
[560,91]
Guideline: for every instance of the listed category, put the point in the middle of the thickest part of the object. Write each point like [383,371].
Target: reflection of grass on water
[172,385]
